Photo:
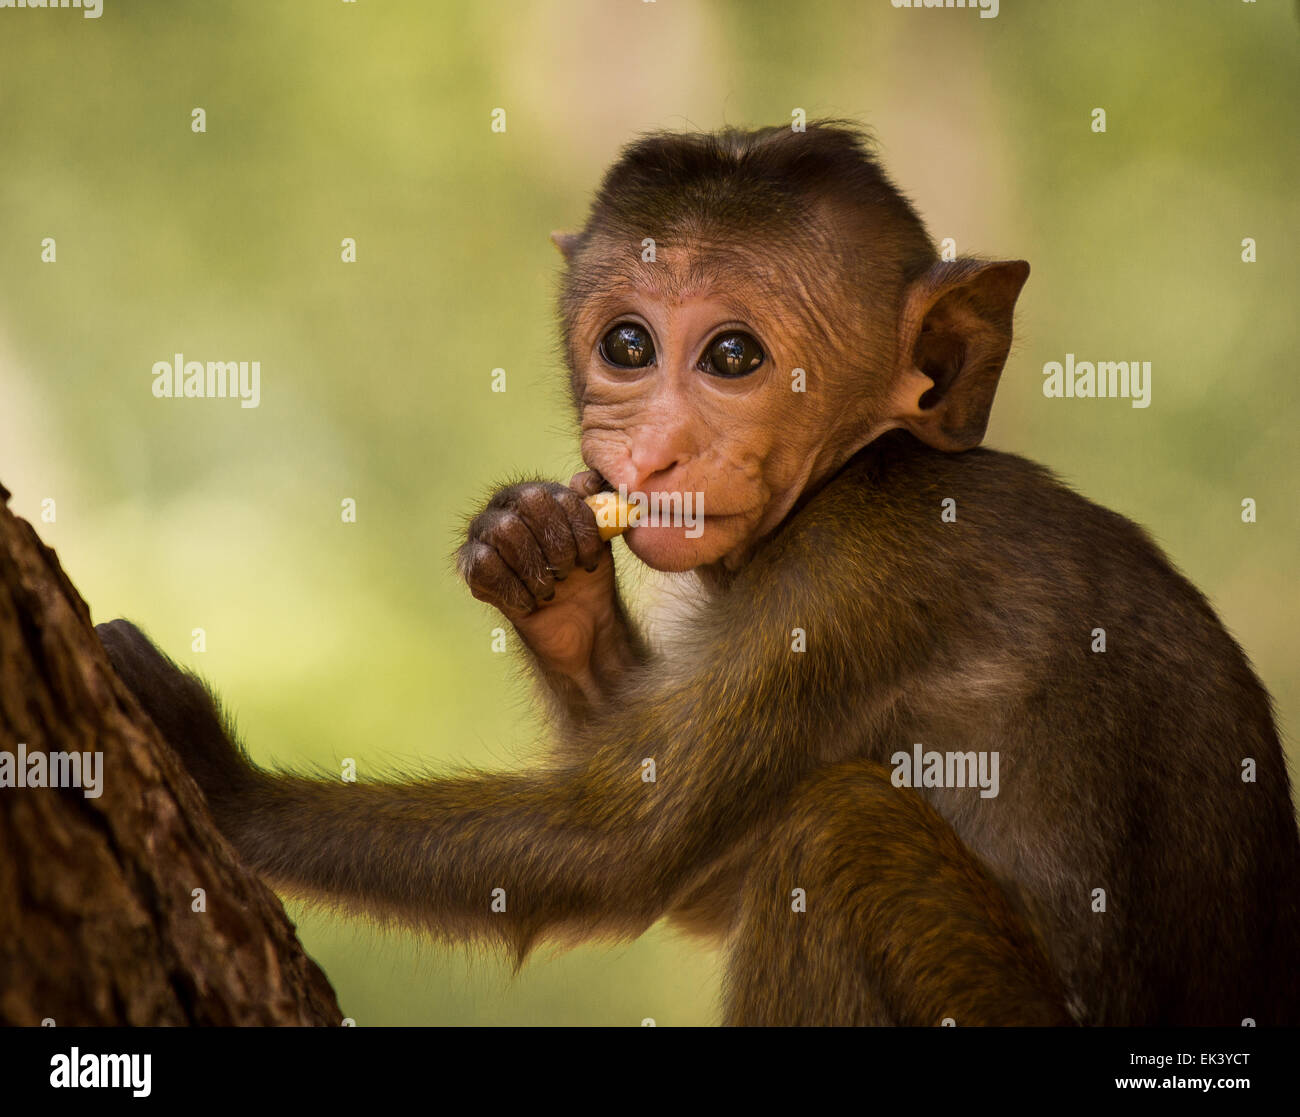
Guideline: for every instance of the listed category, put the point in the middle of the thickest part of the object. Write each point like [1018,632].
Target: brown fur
[1106,780]
[1119,770]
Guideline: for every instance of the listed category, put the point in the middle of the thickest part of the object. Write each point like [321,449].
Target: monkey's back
[1143,817]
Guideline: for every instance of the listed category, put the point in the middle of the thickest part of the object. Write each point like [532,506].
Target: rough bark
[96,908]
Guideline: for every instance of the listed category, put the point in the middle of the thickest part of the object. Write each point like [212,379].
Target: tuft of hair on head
[770,182]
[811,212]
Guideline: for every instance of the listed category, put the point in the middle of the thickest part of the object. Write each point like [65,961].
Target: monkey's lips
[676,547]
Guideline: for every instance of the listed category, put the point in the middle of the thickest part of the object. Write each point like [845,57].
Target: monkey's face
[689,395]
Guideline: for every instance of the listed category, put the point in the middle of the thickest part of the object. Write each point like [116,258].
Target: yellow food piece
[613,516]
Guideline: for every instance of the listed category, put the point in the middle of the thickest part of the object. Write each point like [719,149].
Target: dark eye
[734,354]
[628,346]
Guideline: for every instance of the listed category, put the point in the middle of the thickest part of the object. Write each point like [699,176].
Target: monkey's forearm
[429,852]
[596,849]
[493,857]
[657,790]
[584,660]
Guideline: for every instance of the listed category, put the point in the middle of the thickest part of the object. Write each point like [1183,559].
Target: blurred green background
[371,120]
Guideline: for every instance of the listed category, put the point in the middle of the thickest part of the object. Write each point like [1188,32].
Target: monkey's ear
[954,334]
[565,242]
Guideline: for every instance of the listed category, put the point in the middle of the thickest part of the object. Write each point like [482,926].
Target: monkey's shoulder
[931,551]
[998,496]
[923,518]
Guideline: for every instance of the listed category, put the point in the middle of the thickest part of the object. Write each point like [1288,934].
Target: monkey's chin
[671,550]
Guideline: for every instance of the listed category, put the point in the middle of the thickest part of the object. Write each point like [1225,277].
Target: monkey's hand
[182,708]
[536,554]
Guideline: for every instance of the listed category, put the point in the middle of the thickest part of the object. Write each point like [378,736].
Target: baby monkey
[759,321]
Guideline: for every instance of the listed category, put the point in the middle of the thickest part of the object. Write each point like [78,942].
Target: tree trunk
[98,893]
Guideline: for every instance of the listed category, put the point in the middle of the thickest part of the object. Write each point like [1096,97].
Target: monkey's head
[744,311]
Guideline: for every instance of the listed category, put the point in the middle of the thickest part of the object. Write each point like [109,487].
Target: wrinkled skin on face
[731,376]
[745,447]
